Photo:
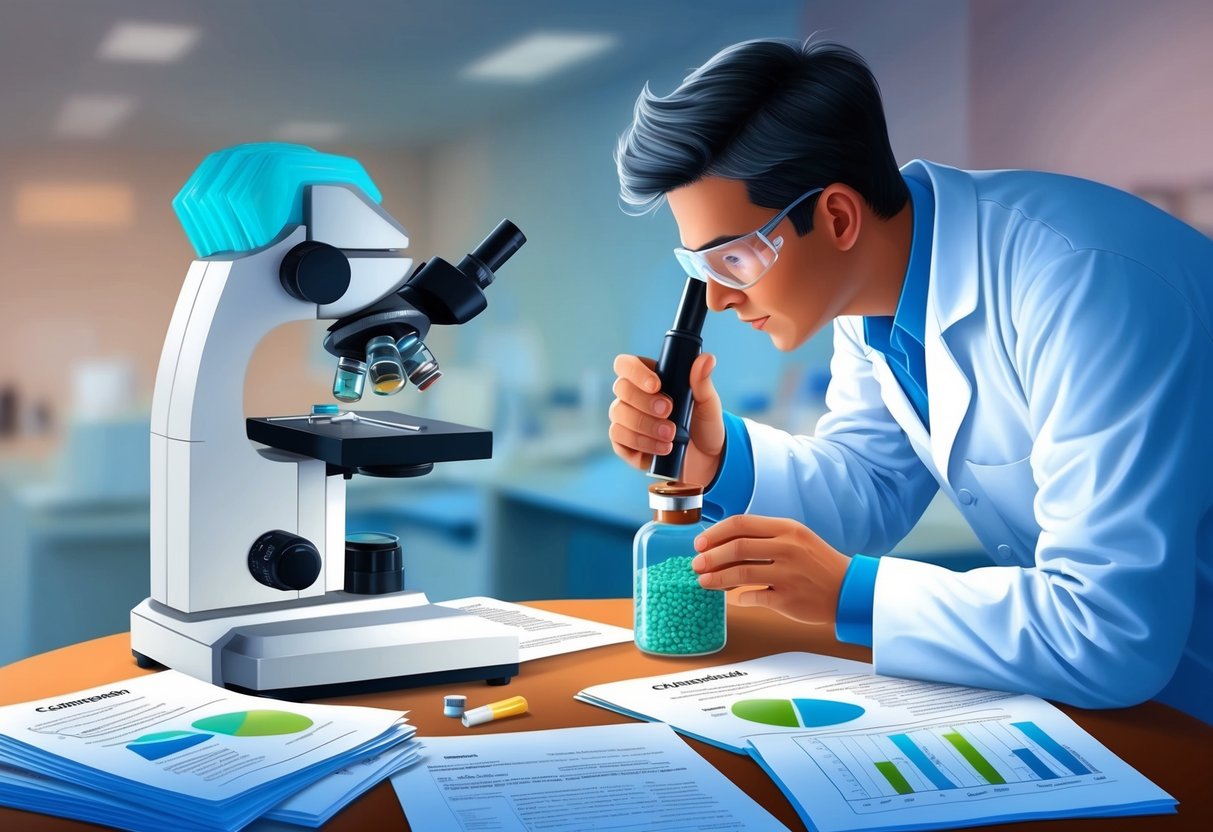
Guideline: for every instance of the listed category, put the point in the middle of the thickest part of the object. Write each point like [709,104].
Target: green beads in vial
[673,615]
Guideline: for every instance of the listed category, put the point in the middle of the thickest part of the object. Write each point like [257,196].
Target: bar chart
[962,761]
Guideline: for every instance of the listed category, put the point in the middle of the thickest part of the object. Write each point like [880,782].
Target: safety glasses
[739,263]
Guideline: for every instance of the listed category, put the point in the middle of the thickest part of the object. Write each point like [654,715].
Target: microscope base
[326,646]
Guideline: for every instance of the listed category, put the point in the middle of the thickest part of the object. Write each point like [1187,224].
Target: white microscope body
[214,493]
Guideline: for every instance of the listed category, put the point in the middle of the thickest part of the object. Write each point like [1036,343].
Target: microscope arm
[213,492]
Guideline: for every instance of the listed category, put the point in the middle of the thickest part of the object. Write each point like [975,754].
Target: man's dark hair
[783,115]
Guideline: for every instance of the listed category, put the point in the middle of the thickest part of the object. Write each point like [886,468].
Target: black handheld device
[681,346]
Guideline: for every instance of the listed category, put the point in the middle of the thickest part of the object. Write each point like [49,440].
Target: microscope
[255,585]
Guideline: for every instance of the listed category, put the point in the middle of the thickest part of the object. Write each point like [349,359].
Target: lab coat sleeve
[857,483]
[1117,369]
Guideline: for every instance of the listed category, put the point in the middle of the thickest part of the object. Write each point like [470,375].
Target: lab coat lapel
[897,402]
[949,393]
[951,296]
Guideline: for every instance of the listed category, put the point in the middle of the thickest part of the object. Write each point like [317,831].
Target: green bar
[975,759]
[895,778]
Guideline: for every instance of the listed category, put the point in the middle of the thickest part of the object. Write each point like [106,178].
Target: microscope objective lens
[385,369]
[350,380]
[408,345]
[420,365]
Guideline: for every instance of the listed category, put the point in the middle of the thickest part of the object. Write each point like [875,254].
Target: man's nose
[721,297]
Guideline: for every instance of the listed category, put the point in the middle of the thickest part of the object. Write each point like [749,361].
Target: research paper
[853,750]
[542,633]
[138,751]
[638,776]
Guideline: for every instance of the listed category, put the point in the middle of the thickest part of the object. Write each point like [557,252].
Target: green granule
[674,614]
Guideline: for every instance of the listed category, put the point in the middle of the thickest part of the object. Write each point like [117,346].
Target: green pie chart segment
[254,723]
[796,713]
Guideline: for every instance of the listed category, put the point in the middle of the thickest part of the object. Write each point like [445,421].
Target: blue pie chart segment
[156,746]
[816,713]
[796,713]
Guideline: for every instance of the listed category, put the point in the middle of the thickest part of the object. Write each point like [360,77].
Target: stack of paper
[622,777]
[168,751]
[317,803]
[856,751]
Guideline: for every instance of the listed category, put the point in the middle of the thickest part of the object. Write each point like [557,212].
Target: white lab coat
[1070,386]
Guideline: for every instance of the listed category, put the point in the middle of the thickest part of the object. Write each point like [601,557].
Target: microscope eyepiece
[679,350]
[499,247]
[449,294]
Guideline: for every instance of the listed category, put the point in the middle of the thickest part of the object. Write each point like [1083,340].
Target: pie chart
[254,723]
[796,713]
[164,743]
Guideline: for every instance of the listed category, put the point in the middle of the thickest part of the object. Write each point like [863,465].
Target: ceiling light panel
[158,43]
[538,56]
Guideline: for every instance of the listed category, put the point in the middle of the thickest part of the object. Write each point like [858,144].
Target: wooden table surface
[1172,749]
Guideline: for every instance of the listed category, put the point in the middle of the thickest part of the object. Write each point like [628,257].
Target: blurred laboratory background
[464,112]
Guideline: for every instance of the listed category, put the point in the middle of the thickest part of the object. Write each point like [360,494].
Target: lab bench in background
[578,524]
[72,566]
[70,569]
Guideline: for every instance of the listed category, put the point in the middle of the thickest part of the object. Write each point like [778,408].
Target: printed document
[169,745]
[572,779]
[853,750]
[542,633]
[316,804]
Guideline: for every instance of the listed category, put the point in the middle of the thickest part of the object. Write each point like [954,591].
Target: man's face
[794,299]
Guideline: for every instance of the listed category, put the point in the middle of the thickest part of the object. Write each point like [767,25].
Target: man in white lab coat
[1038,346]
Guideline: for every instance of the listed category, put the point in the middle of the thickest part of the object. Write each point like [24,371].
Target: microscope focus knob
[284,561]
[315,272]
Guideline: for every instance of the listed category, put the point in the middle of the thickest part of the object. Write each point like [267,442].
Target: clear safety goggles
[740,262]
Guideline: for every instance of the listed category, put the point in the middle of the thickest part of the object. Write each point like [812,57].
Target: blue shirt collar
[911,315]
[900,337]
[905,331]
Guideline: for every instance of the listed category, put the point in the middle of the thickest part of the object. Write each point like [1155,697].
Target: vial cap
[453,705]
[325,410]
[675,496]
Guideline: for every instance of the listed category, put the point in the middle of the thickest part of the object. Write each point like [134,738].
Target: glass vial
[350,380]
[383,365]
[672,614]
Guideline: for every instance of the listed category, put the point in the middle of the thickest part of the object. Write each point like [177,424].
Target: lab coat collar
[951,296]
[952,293]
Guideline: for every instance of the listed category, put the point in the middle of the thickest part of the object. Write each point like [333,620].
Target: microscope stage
[353,446]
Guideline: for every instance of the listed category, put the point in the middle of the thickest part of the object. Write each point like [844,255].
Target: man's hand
[801,574]
[640,426]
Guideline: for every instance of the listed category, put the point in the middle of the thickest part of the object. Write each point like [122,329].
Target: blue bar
[918,758]
[1035,733]
[1035,763]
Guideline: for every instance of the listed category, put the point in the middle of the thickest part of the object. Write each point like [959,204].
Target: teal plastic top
[325,410]
[242,197]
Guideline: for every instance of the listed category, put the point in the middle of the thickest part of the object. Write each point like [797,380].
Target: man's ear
[838,214]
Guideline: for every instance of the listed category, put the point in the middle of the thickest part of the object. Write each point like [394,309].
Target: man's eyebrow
[727,238]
